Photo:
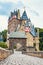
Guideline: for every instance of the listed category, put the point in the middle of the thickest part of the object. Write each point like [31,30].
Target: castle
[22,33]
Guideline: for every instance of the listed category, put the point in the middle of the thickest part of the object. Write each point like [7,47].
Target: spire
[18,14]
[15,12]
[24,16]
[11,14]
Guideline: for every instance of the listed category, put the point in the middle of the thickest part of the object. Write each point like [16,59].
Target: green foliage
[14,47]
[41,38]
[0,33]
[3,45]
[4,35]
[40,30]
[41,46]
[41,43]
[41,34]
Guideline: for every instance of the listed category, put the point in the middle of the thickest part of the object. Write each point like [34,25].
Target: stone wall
[29,40]
[37,43]
[4,53]
[34,53]
[19,43]
[28,49]
[12,25]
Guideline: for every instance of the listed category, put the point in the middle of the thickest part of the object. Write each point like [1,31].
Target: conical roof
[24,16]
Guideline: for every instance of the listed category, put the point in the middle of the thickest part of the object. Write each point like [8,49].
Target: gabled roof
[24,16]
[17,34]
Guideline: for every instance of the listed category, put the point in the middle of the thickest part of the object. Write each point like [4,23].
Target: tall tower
[38,32]
[37,40]
[18,14]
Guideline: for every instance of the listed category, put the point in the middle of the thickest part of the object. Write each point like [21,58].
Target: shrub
[14,47]
[41,46]
[3,45]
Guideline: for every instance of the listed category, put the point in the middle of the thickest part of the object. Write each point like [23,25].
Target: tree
[4,35]
[40,38]
[41,44]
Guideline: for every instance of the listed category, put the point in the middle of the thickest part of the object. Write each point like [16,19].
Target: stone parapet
[4,53]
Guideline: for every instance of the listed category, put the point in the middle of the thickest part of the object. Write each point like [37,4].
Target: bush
[3,45]
[41,46]
[14,47]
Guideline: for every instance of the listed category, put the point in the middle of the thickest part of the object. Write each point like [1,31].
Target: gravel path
[20,59]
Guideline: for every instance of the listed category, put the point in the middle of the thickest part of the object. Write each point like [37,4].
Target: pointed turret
[24,16]
[18,14]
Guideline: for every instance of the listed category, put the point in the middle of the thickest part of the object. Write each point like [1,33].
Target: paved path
[20,59]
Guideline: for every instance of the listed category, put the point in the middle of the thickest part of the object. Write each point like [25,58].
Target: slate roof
[28,24]
[24,16]
[17,34]
[32,29]
[33,32]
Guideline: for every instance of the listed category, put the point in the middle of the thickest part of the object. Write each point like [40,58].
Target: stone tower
[38,32]
[37,40]
[18,14]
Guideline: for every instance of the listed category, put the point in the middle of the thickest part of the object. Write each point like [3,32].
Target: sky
[34,10]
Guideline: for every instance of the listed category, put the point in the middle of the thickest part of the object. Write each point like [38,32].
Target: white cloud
[34,5]
[26,2]
[15,1]
[36,20]
[3,22]
[9,1]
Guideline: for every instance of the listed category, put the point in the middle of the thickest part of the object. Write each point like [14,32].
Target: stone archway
[19,42]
